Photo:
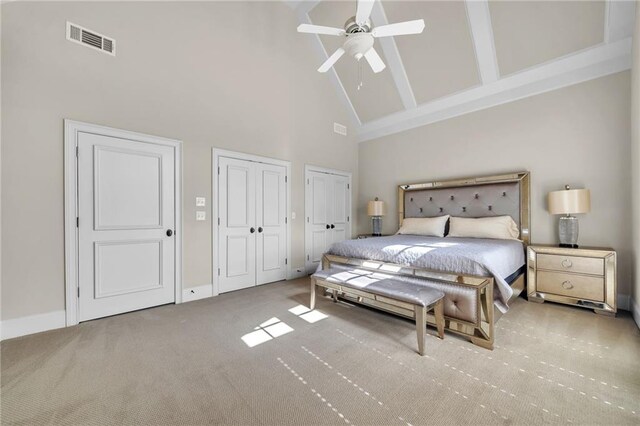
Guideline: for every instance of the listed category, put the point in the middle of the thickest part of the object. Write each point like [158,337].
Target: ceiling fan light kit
[360,36]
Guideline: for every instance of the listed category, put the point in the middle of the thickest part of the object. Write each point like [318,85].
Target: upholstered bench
[386,290]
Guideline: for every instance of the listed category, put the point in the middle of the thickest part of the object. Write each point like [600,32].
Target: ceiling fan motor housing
[358,44]
[352,27]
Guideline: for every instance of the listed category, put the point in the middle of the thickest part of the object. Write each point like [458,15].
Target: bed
[478,276]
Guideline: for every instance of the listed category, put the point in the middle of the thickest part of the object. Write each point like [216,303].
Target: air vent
[89,38]
[340,129]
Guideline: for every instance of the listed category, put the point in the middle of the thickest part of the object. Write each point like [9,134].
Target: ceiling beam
[599,61]
[390,50]
[479,19]
[619,19]
[302,6]
[303,18]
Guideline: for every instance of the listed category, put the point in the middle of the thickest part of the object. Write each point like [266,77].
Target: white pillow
[427,226]
[499,227]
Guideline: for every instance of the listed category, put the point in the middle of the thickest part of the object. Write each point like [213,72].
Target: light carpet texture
[189,364]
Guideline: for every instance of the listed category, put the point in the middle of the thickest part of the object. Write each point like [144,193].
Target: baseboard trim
[190,294]
[624,302]
[22,326]
[635,312]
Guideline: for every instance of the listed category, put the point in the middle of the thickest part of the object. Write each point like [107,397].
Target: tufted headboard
[470,197]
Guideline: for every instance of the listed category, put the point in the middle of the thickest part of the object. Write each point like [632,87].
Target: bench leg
[421,326]
[334,295]
[438,312]
[312,300]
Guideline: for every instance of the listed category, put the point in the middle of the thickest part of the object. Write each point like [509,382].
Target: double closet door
[327,207]
[252,223]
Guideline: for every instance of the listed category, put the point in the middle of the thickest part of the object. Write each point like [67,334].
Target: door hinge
[218,221]
[286,261]
[76,151]
[218,271]
[348,186]
[347,218]
[286,179]
[307,220]
[218,169]
[307,257]
[286,220]
[77,222]
[307,181]
[78,291]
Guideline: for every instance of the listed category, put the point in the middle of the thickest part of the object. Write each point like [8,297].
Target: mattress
[471,256]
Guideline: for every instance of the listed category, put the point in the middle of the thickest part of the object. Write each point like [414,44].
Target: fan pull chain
[360,83]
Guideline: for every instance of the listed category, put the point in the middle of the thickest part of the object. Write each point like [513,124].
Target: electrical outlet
[200,201]
[201,215]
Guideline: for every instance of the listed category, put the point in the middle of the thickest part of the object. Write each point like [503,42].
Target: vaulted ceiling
[472,55]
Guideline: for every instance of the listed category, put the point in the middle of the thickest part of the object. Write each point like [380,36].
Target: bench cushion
[382,285]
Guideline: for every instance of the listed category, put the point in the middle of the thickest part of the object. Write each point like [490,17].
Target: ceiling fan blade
[401,28]
[374,60]
[364,11]
[319,29]
[332,60]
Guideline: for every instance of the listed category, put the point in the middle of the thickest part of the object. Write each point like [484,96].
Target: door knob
[328,227]
[260,229]
[252,230]
[332,226]
[169,232]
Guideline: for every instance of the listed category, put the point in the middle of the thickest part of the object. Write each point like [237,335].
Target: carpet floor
[257,357]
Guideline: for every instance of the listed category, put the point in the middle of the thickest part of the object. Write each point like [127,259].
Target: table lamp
[376,210]
[568,202]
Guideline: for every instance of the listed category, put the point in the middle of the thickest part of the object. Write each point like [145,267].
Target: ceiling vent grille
[340,129]
[89,38]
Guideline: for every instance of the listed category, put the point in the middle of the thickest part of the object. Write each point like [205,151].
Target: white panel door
[328,210]
[271,205]
[340,229]
[126,193]
[237,238]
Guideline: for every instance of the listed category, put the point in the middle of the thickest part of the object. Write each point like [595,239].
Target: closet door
[237,238]
[319,212]
[271,204]
[340,205]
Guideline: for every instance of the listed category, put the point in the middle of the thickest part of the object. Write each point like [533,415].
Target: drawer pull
[567,285]
[566,263]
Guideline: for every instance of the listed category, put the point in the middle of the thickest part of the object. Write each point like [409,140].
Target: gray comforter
[474,256]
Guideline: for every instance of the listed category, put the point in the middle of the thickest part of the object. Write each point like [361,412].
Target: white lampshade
[570,201]
[376,208]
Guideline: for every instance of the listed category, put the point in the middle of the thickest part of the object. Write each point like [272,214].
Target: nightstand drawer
[576,264]
[571,285]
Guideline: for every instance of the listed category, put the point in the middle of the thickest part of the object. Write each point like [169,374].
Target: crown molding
[586,65]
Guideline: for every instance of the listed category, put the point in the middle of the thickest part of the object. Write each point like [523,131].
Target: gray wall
[579,135]
[635,165]
[230,75]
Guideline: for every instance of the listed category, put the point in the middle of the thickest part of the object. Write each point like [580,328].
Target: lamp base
[376,221]
[568,231]
[568,245]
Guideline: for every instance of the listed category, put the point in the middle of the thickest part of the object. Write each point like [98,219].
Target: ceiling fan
[360,36]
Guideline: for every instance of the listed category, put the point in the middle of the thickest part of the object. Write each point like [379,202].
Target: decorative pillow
[427,226]
[499,227]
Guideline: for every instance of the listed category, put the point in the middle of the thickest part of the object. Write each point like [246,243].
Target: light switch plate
[200,201]
[201,215]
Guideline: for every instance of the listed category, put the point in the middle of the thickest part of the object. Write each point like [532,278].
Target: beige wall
[230,75]
[635,165]
[579,135]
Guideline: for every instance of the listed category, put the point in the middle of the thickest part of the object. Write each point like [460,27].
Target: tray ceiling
[472,55]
